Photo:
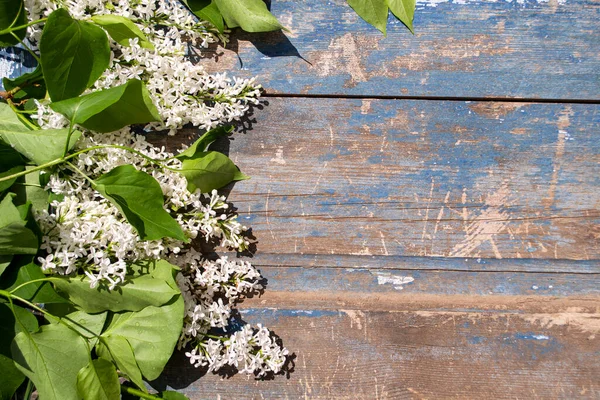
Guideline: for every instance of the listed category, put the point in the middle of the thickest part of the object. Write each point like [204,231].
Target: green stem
[48,316]
[20,116]
[138,393]
[68,138]
[27,48]
[17,15]
[71,156]
[221,338]
[83,174]
[11,296]
[28,282]
[18,28]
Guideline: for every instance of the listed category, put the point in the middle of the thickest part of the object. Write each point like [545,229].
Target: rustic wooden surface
[547,49]
[423,234]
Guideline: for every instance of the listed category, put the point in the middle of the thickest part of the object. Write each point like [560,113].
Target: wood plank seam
[532,100]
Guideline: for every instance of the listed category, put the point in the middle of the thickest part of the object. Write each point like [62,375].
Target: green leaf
[250,15]
[52,140]
[207,10]
[171,395]
[12,13]
[137,293]
[9,157]
[110,109]
[121,29]
[15,238]
[31,85]
[51,358]
[98,381]
[152,332]
[88,325]
[41,145]
[4,185]
[201,145]
[73,53]
[23,270]
[5,262]
[404,10]
[139,197]
[159,269]
[118,349]
[11,378]
[60,309]
[375,12]
[12,324]
[210,170]
[34,191]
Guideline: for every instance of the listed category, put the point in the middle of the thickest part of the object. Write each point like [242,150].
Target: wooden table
[426,208]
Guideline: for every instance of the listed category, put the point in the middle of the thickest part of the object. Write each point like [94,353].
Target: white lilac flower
[85,233]
[210,288]
[183,92]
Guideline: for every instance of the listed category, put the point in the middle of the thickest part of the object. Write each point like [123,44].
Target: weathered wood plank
[527,49]
[422,178]
[426,263]
[415,282]
[356,353]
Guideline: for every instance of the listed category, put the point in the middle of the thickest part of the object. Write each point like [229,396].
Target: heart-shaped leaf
[139,197]
[73,54]
[152,332]
[209,170]
[51,358]
[110,109]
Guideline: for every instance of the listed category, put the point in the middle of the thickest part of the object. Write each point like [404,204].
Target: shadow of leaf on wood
[269,44]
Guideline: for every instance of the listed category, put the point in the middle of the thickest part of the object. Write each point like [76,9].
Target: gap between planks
[433,264]
[433,98]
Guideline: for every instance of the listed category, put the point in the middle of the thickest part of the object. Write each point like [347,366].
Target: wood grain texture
[422,178]
[524,49]
[415,282]
[348,352]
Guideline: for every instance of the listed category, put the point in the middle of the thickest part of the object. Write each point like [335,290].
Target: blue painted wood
[419,282]
[422,178]
[14,62]
[346,352]
[408,263]
[527,49]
